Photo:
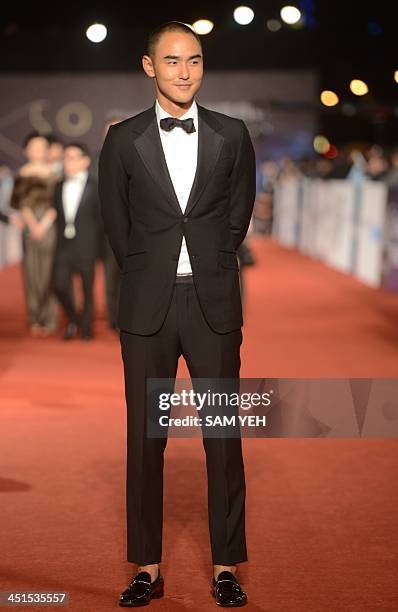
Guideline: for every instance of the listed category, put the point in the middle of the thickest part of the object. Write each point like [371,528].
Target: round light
[321,144]
[273,25]
[243,15]
[329,98]
[96,33]
[203,26]
[396,76]
[290,14]
[358,87]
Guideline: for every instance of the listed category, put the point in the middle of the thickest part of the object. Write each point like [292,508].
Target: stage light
[290,14]
[396,76]
[243,15]
[321,144]
[274,25]
[329,98]
[358,87]
[203,26]
[96,33]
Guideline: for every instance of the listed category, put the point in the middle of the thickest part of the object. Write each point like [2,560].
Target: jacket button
[185,220]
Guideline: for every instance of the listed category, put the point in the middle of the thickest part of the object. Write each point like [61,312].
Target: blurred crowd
[354,164]
[52,199]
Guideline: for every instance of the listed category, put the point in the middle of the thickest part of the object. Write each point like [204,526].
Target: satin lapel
[209,147]
[149,147]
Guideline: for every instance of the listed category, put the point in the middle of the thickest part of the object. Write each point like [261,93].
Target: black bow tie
[168,123]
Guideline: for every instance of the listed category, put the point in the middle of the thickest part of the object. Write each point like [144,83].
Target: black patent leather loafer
[141,590]
[227,591]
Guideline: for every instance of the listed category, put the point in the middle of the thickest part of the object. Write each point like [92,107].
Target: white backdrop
[332,222]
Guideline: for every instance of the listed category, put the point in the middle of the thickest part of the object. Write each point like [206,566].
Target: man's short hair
[169,26]
[85,151]
[54,139]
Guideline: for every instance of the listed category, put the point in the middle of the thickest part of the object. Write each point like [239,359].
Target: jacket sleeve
[113,186]
[243,188]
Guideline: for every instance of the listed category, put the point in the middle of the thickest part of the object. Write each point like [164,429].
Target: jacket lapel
[149,147]
[209,147]
[84,196]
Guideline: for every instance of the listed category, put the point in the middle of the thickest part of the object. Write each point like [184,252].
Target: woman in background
[33,197]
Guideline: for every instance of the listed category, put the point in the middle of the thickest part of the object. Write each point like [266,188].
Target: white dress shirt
[181,153]
[72,191]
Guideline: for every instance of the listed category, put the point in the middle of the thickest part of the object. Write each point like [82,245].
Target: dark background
[340,40]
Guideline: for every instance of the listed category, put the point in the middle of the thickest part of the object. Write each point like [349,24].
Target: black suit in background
[161,319]
[77,255]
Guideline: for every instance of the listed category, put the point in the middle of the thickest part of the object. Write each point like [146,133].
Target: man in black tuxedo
[177,188]
[78,226]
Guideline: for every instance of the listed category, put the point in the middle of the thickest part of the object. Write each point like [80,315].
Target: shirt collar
[191,112]
[80,177]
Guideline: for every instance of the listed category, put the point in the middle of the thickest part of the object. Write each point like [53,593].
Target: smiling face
[177,68]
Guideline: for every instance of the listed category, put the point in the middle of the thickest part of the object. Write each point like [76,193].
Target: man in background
[56,154]
[78,228]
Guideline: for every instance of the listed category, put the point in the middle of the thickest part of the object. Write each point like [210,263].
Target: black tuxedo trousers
[208,355]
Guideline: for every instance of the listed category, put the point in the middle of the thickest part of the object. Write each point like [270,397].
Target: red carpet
[321,514]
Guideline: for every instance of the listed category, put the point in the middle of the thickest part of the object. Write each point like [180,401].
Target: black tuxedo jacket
[85,244]
[145,224]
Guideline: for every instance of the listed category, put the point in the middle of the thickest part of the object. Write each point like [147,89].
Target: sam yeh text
[249,420]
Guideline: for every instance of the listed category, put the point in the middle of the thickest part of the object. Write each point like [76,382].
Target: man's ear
[148,66]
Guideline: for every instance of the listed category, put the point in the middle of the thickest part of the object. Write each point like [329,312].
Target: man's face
[75,161]
[177,66]
[56,152]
